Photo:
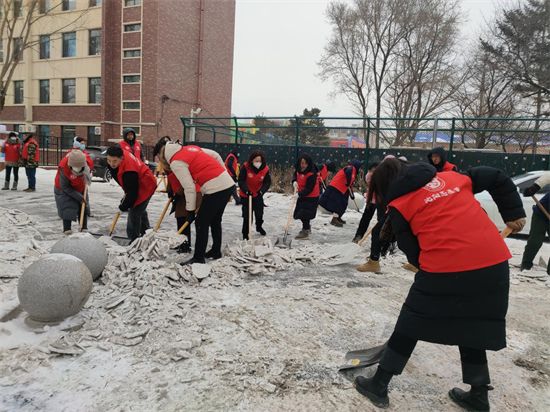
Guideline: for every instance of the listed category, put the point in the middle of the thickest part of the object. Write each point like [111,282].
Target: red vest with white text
[147,181]
[136,151]
[453,231]
[25,154]
[301,178]
[77,181]
[254,181]
[11,151]
[340,181]
[202,166]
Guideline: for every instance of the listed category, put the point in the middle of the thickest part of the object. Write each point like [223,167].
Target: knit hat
[77,159]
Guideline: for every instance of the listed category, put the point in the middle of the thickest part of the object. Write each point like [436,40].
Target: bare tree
[17,20]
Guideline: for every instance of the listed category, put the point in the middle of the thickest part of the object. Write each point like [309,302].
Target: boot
[261,230]
[370,266]
[303,235]
[184,247]
[68,232]
[212,255]
[336,222]
[245,236]
[356,239]
[476,399]
[14,187]
[375,388]
[411,267]
[342,221]
[193,260]
[6,185]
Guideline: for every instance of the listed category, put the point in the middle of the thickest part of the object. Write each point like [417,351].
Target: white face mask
[257,165]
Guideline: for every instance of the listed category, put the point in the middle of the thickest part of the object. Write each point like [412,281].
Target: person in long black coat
[306,187]
[460,294]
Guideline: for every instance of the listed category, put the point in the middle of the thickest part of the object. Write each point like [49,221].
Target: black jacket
[441,152]
[311,181]
[130,180]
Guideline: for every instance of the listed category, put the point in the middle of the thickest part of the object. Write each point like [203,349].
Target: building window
[132,53]
[130,105]
[94,3]
[18,92]
[69,5]
[93,139]
[132,79]
[68,134]
[44,137]
[136,129]
[44,47]
[69,44]
[1,50]
[44,91]
[18,48]
[95,42]
[128,3]
[132,27]
[17,8]
[94,90]
[69,91]
[43,6]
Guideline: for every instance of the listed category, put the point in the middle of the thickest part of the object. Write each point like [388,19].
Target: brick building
[118,63]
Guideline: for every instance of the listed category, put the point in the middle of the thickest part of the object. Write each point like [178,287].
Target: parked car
[99,156]
[522,182]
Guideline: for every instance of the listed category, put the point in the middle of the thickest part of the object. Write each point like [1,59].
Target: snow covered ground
[237,341]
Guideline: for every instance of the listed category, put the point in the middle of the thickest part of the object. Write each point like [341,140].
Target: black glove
[190,216]
[170,193]
[248,193]
[260,193]
[122,208]
[531,190]
[352,195]
[175,199]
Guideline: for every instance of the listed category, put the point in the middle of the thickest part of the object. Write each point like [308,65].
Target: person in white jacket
[192,164]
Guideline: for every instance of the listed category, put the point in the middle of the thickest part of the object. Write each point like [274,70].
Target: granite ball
[87,248]
[54,287]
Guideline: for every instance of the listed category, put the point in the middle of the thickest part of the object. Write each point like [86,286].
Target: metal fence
[513,145]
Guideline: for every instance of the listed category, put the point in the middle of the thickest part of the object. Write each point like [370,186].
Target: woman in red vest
[335,198]
[11,150]
[438,159]
[71,179]
[193,165]
[80,144]
[254,180]
[306,186]
[138,183]
[324,169]
[29,160]
[131,144]
[460,294]
[231,165]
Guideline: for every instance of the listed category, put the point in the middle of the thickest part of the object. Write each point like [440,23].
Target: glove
[122,209]
[170,193]
[248,193]
[190,216]
[531,190]
[516,225]
[296,196]
[352,195]
[260,193]
[295,185]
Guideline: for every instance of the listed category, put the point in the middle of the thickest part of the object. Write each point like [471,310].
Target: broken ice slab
[127,342]
[201,270]
[137,333]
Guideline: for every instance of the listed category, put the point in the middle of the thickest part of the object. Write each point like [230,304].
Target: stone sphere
[54,287]
[360,202]
[87,248]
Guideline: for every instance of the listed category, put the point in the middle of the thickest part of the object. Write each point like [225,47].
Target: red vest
[89,160]
[11,151]
[147,181]
[25,154]
[453,231]
[254,181]
[175,183]
[301,178]
[137,148]
[340,181]
[77,182]
[202,166]
[231,155]
[448,167]
[323,173]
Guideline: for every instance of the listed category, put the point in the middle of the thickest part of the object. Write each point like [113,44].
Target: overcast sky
[277,46]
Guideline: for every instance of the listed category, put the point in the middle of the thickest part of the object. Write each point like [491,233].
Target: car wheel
[107,175]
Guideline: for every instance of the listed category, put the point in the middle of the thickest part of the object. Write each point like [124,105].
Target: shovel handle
[182,228]
[356,205]
[163,213]
[290,212]
[366,236]
[112,229]
[504,234]
[250,217]
[83,207]
[323,182]
[541,207]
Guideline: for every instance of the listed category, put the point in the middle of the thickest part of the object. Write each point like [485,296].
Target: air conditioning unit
[31,129]
[97,130]
[21,128]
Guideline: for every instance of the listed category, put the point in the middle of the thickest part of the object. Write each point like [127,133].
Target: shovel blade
[346,254]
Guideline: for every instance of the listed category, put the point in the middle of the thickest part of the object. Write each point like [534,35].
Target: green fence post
[296,142]
[214,138]
[452,139]
[236,131]
[184,130]
[367,147]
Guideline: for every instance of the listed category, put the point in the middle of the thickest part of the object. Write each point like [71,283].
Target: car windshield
[518,177]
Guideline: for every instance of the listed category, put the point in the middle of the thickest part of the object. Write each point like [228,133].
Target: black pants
[475,370]
[138,221]
[367,217]
[236,196]
[257,208]
[375,245]
[210,216]
[15,173]
[67,223]
[187,231]
[306,224]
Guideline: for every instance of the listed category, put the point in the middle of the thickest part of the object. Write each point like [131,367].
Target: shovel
[541,207]
[250,217]
[283,243]
[356,205]
[346,253]
[83,208]
[162,216]
[182,228]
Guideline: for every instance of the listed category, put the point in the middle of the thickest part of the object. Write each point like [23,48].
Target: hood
[441,152]
[125,132]
[357,164]
[411,178]
[236,151]
[312,168]
[171,149]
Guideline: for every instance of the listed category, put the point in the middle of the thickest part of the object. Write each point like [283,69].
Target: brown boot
[303,235]
[370,266]
[336,222]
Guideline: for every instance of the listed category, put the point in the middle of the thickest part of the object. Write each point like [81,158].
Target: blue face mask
[82,147]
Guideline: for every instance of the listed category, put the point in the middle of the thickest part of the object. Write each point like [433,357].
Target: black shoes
[476,399]
[212,255]
[193,260]
[375,388]
[261,230]
[185,247]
